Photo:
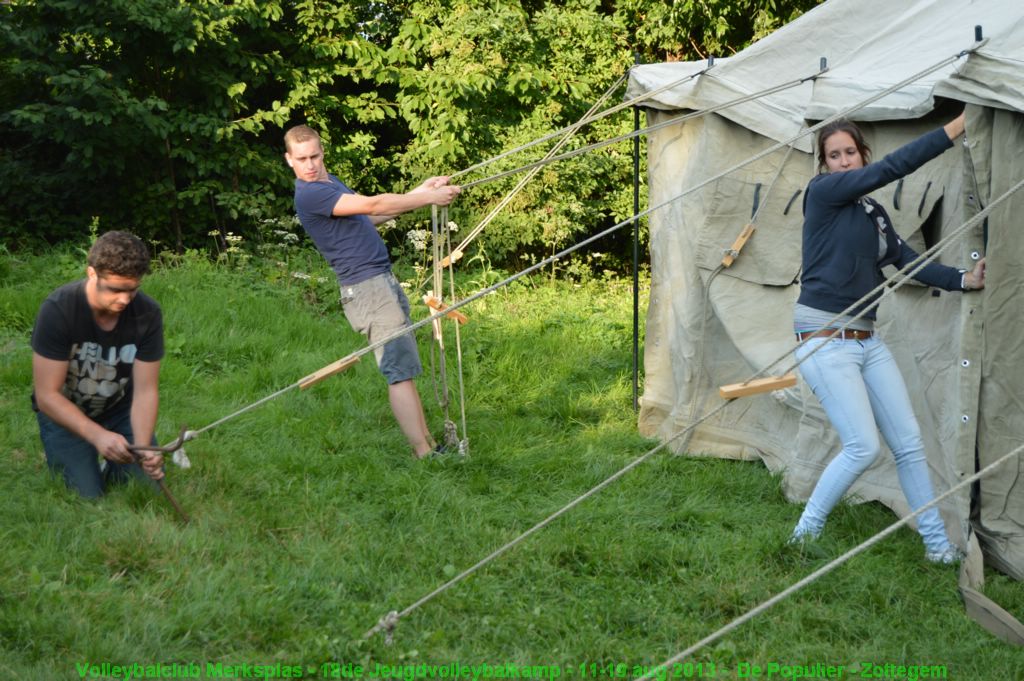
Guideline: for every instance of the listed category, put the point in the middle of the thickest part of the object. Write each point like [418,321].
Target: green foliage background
[165,117]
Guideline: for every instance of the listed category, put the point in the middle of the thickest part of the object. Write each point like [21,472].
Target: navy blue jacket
[840,238]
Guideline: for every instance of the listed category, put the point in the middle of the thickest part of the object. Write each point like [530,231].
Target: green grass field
[311,520]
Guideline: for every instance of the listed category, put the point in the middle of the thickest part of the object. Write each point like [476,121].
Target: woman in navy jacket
[847,238]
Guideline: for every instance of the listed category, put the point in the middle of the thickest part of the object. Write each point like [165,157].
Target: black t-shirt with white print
[100,362]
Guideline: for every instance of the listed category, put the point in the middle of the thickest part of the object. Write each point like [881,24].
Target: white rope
[552,156]
[196,433]
[860,548]
[644,457]
[584,121]
[557,256]
[610,230]
[443,398]
[636,462]
[541,525]
[907,273]
[569,132]
[442,241]
[645,131]
[463,442]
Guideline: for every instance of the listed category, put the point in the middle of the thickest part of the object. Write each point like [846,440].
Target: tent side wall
[683,354]
[996,138]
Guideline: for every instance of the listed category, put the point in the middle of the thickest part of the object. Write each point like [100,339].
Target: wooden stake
[449,259]
[760,385]
[436,305]
[327,371]
[738,245]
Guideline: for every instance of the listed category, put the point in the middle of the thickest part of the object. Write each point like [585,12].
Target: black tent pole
[636,251]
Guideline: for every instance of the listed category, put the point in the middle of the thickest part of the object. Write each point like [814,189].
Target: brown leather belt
[846,334]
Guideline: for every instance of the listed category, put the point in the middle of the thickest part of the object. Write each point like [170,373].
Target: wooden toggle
[737,246]
[327,371]
[455,256]
[760,385]
[434,304]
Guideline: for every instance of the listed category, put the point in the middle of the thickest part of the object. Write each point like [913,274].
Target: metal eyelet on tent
[975,255]
[965,418]
[965,363]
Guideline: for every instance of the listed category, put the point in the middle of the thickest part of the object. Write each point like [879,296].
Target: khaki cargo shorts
[377,308]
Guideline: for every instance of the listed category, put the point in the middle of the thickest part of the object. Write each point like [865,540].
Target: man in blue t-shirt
[96,350]
[343,224]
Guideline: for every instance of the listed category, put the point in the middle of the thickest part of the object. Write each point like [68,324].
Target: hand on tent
[955,127]
[975,279]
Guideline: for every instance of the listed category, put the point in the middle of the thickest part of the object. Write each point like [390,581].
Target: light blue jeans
[862,391]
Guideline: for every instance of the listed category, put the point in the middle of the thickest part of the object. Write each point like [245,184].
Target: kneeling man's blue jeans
[79,462]
[862,391]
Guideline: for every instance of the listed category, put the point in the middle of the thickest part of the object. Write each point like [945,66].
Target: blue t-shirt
[350,243]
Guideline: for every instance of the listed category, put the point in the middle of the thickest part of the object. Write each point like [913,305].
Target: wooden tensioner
[434,304]
[455,256]
[737,246]
[760,385]
[327,371]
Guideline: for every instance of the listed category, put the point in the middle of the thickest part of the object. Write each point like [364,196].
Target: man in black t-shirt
[97,346]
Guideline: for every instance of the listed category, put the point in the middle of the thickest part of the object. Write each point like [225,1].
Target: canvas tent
[962,355]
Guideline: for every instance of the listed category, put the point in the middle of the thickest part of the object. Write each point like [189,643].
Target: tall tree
[131,110]
[166,116]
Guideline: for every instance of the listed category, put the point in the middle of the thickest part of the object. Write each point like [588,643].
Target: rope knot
[388,623]
[451,434]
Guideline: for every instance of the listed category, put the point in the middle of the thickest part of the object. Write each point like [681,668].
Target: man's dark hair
[121,254]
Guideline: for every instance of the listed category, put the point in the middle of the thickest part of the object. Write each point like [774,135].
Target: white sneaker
[802,536]
[951,554]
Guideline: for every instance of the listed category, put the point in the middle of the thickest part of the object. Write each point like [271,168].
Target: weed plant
[311,520]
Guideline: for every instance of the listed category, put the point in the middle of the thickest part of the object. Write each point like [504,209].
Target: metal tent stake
[166,449]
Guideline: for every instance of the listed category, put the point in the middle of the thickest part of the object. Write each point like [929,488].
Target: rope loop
[387,624]
[451,434]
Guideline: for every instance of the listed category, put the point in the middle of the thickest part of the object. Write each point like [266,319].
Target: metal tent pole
[636,251]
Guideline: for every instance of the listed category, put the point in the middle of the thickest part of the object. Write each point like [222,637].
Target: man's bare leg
[408,410]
